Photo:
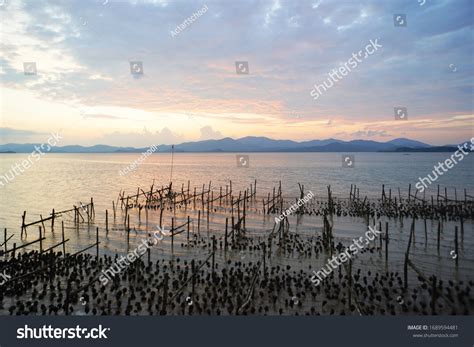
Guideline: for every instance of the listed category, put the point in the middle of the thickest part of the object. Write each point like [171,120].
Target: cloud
[144,138]
[8,135]
[370,133]
[207,133]
[18,132]
[100,116]
[83,49]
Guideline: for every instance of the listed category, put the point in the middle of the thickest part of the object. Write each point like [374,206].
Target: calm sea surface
[62,180]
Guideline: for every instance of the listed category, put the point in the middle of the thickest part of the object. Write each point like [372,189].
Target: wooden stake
[128,229]
[189,223]
[225,235]
[233,232]
[172,234]
[23,223]
[456,244]
[41,240]
[52,221]
[255,190]
[62,234]
[199,221]
[405,266]
[97,242]
[162,207]
[245,207]
[439,233]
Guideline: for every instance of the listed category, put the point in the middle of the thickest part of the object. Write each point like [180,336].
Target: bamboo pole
[62,234]
[233,232]
[199,221]
[245,206]
[92,208]
[172,234]
[456,244]
[128,229]
[189,223]
[225,235]
[405,265]
[255,190]
[41,240]
[162,207]
[23,227]
[97,241]
[52,221]
[439,233]
[380,238]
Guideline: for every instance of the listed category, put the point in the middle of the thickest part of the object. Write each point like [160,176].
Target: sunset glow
[190,90]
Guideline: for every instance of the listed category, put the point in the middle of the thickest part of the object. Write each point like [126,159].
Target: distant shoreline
[405,150]
[250,144]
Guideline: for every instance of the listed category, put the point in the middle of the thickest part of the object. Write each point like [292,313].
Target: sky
[190,90]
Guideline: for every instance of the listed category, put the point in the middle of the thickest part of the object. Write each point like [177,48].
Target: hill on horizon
[247,144]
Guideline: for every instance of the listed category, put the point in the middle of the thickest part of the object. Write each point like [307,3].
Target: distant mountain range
[251,144]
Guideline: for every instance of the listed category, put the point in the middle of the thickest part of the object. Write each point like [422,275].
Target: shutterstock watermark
[424,182]
[188,21]
[345,68]
[4,278]
[123,262]
[18,168]
[133,166]
[48,332]
[341,258]
[293,208]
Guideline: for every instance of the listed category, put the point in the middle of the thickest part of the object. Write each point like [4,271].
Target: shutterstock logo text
[48,332]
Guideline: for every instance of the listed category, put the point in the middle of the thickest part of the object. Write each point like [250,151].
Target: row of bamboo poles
[204,200]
